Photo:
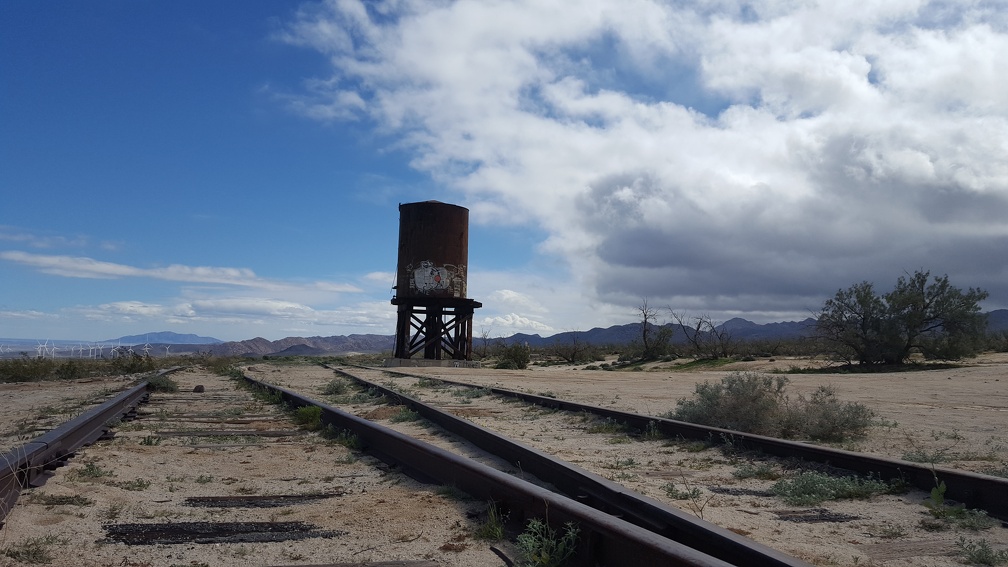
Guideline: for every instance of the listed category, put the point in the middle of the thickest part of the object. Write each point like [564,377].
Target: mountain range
[741,329]
[165,338]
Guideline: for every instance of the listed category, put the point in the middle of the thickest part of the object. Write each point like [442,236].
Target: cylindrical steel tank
[433,250]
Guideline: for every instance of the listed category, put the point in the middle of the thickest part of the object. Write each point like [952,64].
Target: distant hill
[165,338]
[741,329]
[997,320]
[305,346]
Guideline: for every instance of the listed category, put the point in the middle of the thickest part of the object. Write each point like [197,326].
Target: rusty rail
[22,467]
[598,492]
[604,538]
[974,490]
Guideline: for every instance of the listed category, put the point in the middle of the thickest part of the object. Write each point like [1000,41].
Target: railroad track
[974,490]
[219,476]
[608,538]
[617,526]
[29,464]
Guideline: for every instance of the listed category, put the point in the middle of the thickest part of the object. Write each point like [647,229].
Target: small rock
[199,389]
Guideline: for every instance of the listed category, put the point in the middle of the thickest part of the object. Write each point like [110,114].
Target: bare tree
[483,348]
[707,337]
[572,351]
[648,315]
[655,338]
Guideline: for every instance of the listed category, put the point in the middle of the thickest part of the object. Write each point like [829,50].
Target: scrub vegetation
[758,403]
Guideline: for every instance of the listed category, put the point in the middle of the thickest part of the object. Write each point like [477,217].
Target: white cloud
[510,299]
[709,155]
[511,323]
[267,314]
[384,278]
[29,314]
[89,268]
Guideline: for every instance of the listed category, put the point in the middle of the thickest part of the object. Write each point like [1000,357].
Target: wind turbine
[38,349]
[146,349]
[166,350]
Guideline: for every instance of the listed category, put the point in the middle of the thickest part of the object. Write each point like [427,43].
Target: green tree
[515,356]
[934,318]
[850,324]
[920,315]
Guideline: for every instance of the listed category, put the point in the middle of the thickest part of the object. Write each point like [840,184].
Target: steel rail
[603,540]
[974,490]
[22,467]
[598,492]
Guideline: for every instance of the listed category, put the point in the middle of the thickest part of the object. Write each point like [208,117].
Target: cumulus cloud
[510,299]
[732,159]
[248,312]
[511,323]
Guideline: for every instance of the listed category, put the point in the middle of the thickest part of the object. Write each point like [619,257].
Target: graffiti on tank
[438,280]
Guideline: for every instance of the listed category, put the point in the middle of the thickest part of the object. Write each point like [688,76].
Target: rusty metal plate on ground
[258,501]
[211,532]
[813,516]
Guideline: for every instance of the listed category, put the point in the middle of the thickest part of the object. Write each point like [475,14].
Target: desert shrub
[335,387]
[162,383]
[757,403]
[309,417]
[222,365]
[823,417]
[26,369]
[811,488]
[742,401]
[70,370]
[132,363]
[514,357]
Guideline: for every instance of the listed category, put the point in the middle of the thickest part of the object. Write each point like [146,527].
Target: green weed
[90,470]
[309,417]
[405,414]
[541,546]
[981,553]
[812,488]
[343,437]
[493,528]
[35,550]
[674,493]
[137,484]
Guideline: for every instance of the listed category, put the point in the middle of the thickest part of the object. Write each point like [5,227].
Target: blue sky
[234,169]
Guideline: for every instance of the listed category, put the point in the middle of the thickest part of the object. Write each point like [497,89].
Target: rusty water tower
[434,315]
